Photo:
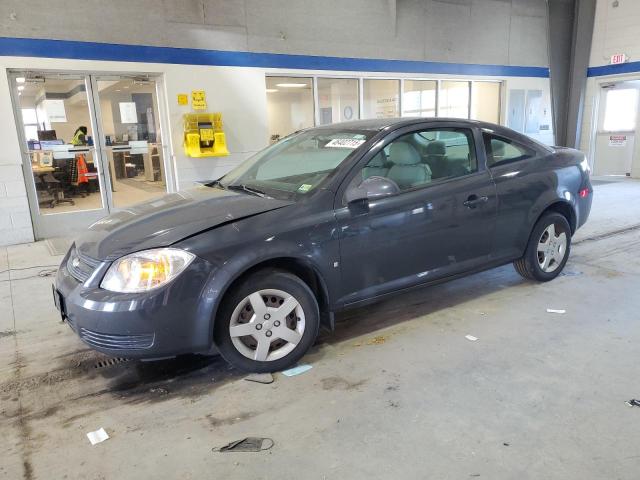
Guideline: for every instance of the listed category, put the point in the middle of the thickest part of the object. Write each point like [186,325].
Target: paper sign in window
[128,112]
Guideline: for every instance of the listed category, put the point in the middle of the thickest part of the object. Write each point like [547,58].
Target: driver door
[440,222]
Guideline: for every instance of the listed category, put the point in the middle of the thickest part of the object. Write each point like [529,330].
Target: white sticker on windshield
[344,143]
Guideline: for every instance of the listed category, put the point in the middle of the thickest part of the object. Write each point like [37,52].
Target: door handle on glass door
[473,201]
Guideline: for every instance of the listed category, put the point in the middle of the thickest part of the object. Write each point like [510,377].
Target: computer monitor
[47,135]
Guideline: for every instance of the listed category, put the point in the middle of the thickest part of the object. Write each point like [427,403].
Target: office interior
[70,172]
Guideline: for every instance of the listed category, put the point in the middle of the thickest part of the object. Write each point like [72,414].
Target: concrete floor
[396,392]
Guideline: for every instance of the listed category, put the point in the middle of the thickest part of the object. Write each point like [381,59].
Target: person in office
[80,137]
[77,167]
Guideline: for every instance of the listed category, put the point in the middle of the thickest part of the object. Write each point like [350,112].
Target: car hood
[169,219]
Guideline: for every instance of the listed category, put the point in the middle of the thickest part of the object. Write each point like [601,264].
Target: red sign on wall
[618,58]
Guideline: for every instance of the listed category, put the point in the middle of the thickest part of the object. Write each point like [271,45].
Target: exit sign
[618,58]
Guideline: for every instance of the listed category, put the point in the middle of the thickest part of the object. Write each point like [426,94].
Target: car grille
[117,342]
[80,266]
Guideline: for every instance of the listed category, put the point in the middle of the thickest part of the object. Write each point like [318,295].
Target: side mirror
[372,188]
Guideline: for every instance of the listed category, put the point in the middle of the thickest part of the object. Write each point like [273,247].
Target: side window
[501,150]
[423,157]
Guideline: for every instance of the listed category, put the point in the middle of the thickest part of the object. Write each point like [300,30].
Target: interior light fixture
[272,90]
[291,85]
[20,80]
[20,87]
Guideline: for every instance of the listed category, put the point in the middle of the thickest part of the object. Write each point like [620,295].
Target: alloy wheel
[552,248]
[267,325]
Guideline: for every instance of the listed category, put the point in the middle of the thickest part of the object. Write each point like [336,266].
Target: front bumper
[168,321]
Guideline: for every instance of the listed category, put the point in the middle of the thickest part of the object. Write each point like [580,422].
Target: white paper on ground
[296,370]
[97,436]
[471,338]
[553,310]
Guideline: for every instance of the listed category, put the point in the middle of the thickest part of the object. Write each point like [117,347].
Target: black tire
[267,279]
[528,266]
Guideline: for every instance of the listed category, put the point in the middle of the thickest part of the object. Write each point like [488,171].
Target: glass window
[297,164]
[454,99]
[338,100]
[423,157]
[381,98]
[129,116]
[29,116]
[501,150]
[54,113]
[289,105]
[485,101]
[419,98]
[31,132]
[621,110]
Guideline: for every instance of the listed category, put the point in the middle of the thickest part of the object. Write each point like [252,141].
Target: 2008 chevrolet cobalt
[253,263]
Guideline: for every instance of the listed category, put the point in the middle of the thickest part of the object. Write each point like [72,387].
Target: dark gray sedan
[251,265]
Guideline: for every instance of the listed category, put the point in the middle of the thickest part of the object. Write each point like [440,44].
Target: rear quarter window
[502,150]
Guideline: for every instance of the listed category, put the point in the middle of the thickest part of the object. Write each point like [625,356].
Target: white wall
[502,32]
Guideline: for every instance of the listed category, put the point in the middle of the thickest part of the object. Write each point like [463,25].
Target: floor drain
[109,362]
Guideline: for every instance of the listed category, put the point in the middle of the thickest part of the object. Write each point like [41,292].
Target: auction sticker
[344,143]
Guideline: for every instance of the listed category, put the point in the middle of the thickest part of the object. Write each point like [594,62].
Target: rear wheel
[548,249]
[268,322]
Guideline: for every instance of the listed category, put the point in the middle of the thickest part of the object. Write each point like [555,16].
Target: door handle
[473,201]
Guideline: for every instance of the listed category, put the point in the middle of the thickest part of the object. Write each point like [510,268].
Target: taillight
[583,193]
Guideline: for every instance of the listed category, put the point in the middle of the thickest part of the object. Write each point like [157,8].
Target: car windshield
[295,165]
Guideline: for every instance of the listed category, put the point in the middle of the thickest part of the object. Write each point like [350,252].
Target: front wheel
[548,249]
[268,322]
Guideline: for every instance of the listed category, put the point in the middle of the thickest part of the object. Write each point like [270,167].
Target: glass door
[92,144]
[63,172]
[130,138]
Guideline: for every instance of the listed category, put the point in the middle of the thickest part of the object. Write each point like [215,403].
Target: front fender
[239,247]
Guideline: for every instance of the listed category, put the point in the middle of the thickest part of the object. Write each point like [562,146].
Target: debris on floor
[292,372]
[159,391]
[98,436]
[265,378]
[378,340]
[471,338]
[249,444]
[569,273]
[553,310]
[633,402]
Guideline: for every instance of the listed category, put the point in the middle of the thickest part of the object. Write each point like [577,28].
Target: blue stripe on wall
[603,70]
[28,47]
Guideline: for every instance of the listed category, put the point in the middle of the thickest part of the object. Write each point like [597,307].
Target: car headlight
[146,270]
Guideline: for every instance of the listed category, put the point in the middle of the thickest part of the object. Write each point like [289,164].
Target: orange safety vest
[82,170]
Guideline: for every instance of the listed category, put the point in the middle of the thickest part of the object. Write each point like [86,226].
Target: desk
[116,155]
[40,170]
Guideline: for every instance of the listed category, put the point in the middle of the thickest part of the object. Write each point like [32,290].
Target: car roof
[379,124]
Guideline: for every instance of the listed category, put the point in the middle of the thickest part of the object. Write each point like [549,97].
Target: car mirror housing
[372,188]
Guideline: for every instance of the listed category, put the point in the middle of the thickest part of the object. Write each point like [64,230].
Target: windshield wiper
[251,190]
[215,183]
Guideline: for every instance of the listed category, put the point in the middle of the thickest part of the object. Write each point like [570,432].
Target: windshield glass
[297,164]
